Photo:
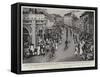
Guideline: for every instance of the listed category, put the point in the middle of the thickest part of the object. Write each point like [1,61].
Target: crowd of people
[47,43]
[85,47]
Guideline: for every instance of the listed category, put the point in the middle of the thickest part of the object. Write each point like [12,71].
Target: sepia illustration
[57,35]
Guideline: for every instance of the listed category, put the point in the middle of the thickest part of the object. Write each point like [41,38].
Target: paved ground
[68,54]
[60,55]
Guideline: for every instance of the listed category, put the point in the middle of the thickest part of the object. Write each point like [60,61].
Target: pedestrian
[38,50]
[76,50]
[35,51]
[31,49]
[66,44]
[53,50]
[41,48]
[56,46]
[81,46]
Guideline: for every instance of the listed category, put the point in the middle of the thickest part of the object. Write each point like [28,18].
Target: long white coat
[38,50]
[81,45]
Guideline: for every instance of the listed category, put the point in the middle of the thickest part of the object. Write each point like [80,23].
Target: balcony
[27,21]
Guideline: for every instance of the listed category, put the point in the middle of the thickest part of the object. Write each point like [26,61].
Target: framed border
[17,38]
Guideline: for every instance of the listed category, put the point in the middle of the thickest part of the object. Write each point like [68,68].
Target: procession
[55,37]
[48,44]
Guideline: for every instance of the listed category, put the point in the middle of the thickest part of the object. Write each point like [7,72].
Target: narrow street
[60,55]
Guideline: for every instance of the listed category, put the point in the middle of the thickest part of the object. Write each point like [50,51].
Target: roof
[87,13]
[68,14]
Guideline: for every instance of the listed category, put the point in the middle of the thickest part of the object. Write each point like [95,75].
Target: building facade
[87,22]
[35,25]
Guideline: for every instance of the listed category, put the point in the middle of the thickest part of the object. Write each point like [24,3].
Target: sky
[65,11]
[62,11]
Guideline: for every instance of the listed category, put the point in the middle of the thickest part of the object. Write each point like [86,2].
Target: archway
[26,38]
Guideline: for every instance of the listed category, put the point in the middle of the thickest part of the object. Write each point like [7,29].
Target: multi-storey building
[68,24]
[34,24]
[87,22]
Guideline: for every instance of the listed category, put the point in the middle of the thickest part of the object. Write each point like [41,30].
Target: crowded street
[60,54]
[57,38]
